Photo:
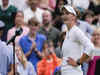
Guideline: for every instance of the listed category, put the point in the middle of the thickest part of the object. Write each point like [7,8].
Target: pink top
[92,65]
[11,33]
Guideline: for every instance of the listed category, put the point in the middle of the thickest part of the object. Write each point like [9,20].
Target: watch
[78,62]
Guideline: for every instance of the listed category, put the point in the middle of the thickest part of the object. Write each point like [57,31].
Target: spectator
[21,5]
[7,15]
[23,67]
[32,43]
[48,4]
[58,50]
[93,70]
[57,13]
[81,4]
[89,17]
[85,27]
[6,56]
[33,11]
[19,23]
[50,61]
[48,29]
[95,6]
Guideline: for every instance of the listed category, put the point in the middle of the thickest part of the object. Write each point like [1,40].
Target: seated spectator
[58,49]
[48,29]
[7,15]
[57,13]
[82,4]
[95,6]
[49,60]
[19,23]
[21,5]
[32,43]
[88,16]
[23,67]
[48,4]
[33,11]
[96,53]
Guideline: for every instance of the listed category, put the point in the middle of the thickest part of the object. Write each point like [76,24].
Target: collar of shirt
[28,38]
[4,9]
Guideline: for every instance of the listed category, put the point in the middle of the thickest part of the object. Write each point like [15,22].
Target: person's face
[46,18]
[33,3]
[5,2]
[45,45]
[67,17]
[61,2]
[19,20]
[96,38]
[18,53]
[46,49]
[89,19]
[33,29]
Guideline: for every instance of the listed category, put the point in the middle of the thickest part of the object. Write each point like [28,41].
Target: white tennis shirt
[74,43]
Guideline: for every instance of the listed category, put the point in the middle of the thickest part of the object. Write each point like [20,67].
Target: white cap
[70,9]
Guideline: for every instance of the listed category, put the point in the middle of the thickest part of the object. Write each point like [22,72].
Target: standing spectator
[33,11]
[32,43]
[23,67]
[74,42]
[7,15]
[48,29]
[6,56]
[93,69]
[19,23]
[50,61]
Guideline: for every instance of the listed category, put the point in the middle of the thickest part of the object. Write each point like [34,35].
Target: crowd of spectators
[38,50]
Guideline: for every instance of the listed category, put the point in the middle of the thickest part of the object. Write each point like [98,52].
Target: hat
[2,25]
[70,9]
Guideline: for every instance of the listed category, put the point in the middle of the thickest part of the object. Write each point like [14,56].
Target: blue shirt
[26,44]
[85,27]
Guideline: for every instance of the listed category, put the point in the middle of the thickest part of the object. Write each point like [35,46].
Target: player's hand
[72,62]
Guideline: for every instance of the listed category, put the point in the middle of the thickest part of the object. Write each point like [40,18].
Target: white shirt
[20,4]
[6,57]
[28,14]
[73,45]
[79,3]
[96,52]
[29,70]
